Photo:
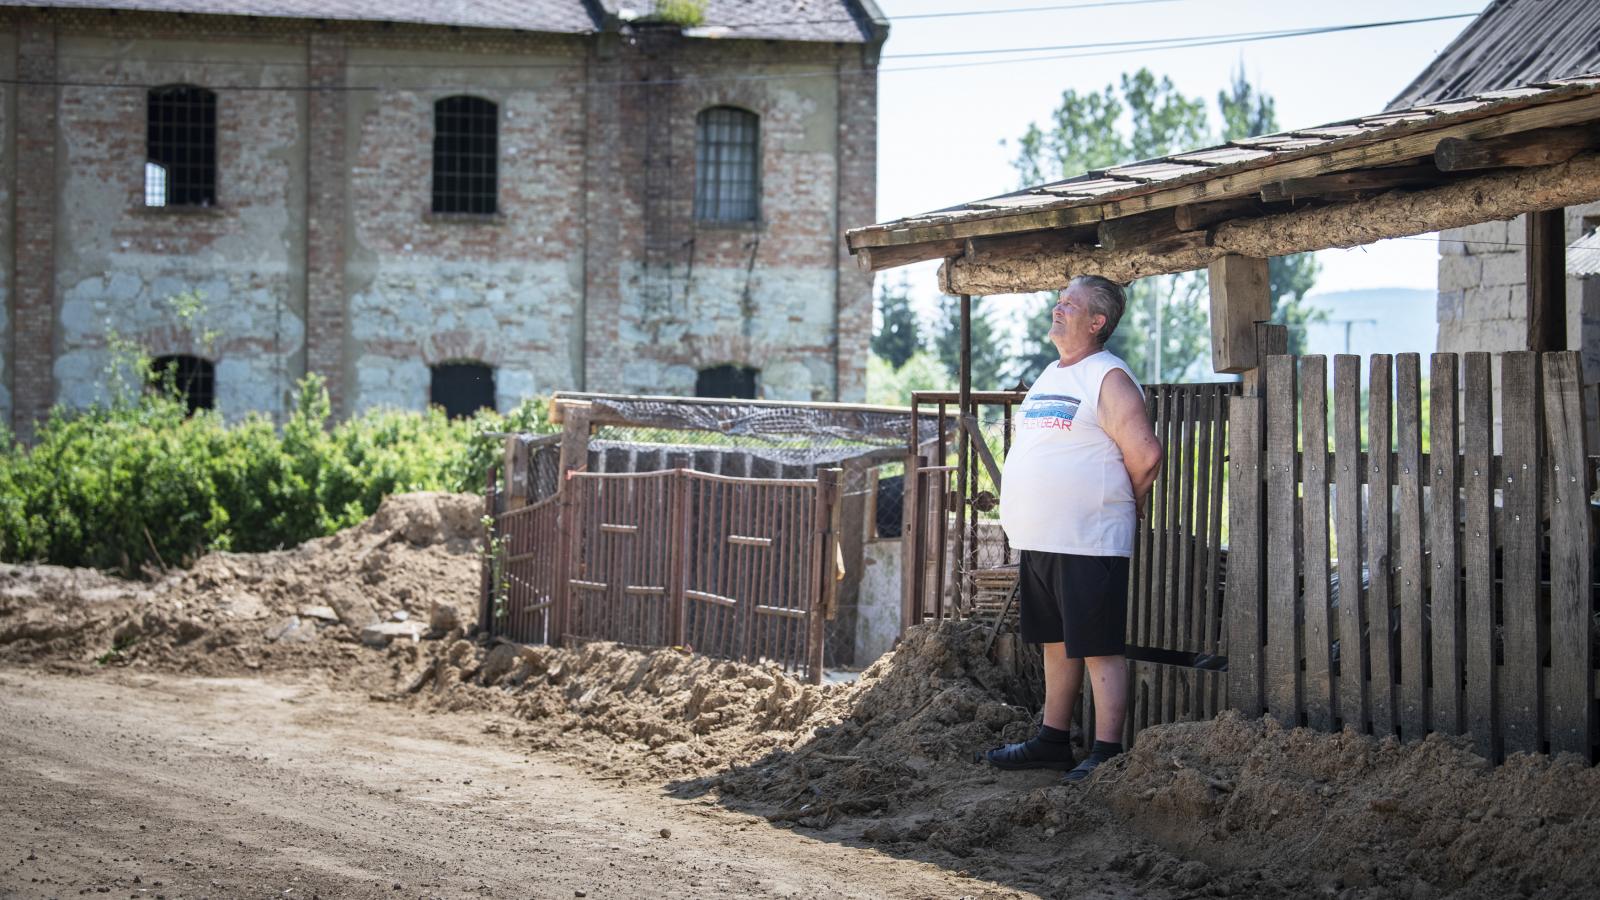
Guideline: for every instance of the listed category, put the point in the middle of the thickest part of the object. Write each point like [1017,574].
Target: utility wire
[1114,48]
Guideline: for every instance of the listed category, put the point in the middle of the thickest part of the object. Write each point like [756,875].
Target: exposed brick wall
[858,192]
[327,205]
[322,254]
[32,330]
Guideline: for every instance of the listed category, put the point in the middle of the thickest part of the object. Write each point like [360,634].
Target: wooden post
[574,459]
[963,486]
[515,460]
[823,581]
[1241,296]
[1547,279]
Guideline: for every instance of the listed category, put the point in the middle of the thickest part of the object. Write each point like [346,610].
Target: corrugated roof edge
[1490,104]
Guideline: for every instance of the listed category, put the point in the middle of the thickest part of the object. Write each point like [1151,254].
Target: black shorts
[1079,600]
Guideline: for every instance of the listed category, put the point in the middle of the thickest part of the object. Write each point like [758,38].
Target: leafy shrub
[138,481]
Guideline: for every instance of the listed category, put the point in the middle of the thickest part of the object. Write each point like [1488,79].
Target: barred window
[727,155]
[462,388]
[180,147]
[727,381]
[190,377]
[466,141]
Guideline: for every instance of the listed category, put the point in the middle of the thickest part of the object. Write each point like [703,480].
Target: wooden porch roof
[1491,156]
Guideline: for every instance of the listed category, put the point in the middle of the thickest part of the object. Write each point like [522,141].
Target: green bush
[139,481]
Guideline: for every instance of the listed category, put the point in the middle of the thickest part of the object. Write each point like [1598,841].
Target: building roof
[1512,42]
[1583,256]
[1254,176]
[844,21]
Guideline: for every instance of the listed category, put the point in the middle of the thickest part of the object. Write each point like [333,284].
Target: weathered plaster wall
[8,69]
[120,262]
[505,290]
[878,611]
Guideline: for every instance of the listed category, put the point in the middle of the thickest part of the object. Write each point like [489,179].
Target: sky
[940,129]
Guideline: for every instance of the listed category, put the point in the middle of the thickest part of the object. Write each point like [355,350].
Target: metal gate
[734,568]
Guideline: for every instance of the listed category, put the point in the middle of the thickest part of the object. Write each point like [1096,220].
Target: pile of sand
[415,560]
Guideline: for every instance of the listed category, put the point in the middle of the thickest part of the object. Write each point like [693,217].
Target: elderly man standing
[1075,482]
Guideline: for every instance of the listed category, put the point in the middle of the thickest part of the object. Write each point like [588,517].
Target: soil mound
[305,607]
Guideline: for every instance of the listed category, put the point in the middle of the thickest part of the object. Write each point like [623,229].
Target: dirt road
[160,786]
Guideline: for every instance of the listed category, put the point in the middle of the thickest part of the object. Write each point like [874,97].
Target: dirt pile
[665,713]
[413,563]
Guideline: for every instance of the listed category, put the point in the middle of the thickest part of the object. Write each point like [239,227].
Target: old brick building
[415,199]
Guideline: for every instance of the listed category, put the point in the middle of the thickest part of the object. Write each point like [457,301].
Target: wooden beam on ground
[1241,296]
[1356,182]
[1501,195]
[1544,147]
[1547,279]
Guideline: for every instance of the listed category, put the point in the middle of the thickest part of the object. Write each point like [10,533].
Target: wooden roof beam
[1488,197]
[1346,185]
[1544,147]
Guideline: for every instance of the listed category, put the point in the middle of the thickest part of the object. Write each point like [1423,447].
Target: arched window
[180,147]
[466,155]
[727,381]
[462,388]
[727,157]
[194,379]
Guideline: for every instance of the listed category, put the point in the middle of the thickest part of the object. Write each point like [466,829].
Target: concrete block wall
[322,254]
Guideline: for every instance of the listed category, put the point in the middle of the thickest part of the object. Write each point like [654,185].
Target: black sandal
[1030,754]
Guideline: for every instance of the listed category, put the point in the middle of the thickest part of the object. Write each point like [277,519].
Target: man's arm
[1123,418]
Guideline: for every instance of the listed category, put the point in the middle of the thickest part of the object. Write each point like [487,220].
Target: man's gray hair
[1106,298]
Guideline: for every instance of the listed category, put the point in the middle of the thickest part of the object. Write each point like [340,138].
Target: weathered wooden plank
[1216,640]
[1240,297]
[1183,626]
[1380,599]
[1144,531]
[1321,704]
[1352,621]
[1410,578]
[1283,687]
[1245,588]
[1206,399]
[1571,712]
[1543,147]
[1547,279]
[1477,496]
[1446,713]
[1522,676]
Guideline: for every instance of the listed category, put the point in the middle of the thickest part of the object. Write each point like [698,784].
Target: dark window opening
[727,165]
[466,140]
[462,388]
[727,381]
[190,377]
[181,147]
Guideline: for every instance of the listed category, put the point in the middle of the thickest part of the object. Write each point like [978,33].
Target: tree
[898,334]
[988,359]
[1246,113]
[1087,132]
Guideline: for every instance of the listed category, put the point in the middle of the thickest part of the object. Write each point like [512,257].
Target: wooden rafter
[1498,195]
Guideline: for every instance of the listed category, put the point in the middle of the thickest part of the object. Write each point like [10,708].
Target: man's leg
[1063,680]
[1108,678]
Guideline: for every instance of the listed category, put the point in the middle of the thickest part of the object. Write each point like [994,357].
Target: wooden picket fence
[1465,598]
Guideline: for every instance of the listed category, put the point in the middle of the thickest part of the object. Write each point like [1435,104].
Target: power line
[1238,36]
[1112,48]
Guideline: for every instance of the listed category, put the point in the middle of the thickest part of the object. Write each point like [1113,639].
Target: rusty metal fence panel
[623,540]
[752,585]
[734,568]
[528,571]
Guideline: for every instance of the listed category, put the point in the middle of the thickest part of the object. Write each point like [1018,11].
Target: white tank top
[1065,488]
